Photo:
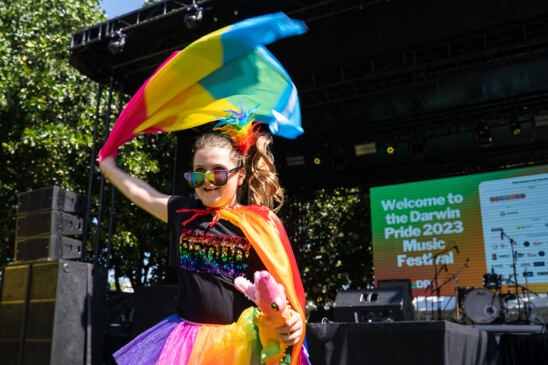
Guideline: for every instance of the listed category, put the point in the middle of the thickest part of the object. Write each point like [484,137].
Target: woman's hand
[107,164]
[291,333]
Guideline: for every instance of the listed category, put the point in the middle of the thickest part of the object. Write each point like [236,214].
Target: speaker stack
[47,225]
[51,305]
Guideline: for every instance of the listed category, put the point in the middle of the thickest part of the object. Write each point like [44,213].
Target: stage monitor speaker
[53,247]
[51,197]
[369,305]
[405,285]
[50,313]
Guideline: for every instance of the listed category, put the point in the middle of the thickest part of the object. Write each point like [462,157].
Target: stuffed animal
[269,296]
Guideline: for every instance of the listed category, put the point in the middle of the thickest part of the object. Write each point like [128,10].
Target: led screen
[480,230]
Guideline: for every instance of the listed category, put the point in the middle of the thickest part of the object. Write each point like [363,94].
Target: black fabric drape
[519,349]
[410,343]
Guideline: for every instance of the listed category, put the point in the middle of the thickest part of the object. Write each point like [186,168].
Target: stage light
[367,148]
[482,136]
[317,160]
[294,160]
[116,45]
[194,16]
[515,127]
[390,148]
[541,120]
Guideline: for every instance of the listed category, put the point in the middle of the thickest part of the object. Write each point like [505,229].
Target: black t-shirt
[209,258]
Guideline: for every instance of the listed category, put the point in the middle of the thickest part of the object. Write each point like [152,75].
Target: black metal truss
[426,62]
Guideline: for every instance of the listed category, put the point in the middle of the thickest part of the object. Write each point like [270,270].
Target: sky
[115,8]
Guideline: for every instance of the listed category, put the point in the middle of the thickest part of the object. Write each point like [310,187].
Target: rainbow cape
[268,236]
[228,69]
[235,342]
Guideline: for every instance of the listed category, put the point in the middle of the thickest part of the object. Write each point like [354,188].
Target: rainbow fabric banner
[228,69]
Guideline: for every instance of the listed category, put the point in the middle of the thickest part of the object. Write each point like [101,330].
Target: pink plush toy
[274,312]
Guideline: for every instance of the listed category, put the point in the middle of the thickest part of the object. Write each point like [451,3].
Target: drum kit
[483,305]
[489,305]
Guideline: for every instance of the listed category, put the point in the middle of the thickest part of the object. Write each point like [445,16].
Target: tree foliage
[46,106]
[53,120]
[49,117]
[330,233]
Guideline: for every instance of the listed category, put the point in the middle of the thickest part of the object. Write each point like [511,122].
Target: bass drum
[482,306]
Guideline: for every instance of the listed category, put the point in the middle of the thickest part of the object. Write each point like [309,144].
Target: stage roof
[422,75]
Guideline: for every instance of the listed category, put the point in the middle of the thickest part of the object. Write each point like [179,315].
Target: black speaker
[48,222]
[49,313]
[44,219]
[369,305]
[405,285]
[51,197]
[53,247]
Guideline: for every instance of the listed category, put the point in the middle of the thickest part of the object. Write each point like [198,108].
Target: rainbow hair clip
[241,128]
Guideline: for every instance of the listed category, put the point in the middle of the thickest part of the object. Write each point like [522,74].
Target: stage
[410,342]
[426,342]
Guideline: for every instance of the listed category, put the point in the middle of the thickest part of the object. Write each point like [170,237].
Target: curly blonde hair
[262,185]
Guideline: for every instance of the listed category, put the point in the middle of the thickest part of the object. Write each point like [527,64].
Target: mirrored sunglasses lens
[218,177]
[194,179]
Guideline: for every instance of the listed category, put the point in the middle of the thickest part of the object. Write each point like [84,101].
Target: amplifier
[369,305]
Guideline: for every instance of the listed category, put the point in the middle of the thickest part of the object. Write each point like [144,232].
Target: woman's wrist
[106,166]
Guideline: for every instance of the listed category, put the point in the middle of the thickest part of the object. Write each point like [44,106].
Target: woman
[220,238]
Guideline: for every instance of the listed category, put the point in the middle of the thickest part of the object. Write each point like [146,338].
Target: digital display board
[463,231]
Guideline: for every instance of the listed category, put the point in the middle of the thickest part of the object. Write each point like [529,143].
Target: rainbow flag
[228,69]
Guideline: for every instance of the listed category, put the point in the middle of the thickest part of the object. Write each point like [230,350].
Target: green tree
[330,232]
[46,106]
[48,117]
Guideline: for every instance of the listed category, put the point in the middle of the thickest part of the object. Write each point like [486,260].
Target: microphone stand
[457,300]
[438,288]
[514,265]
[426,309]
[455,277]
[435,280]
[527,305]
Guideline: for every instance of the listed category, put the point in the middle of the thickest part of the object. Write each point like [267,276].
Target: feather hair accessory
[241,128]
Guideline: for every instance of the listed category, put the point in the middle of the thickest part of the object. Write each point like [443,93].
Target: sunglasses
[195,179]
